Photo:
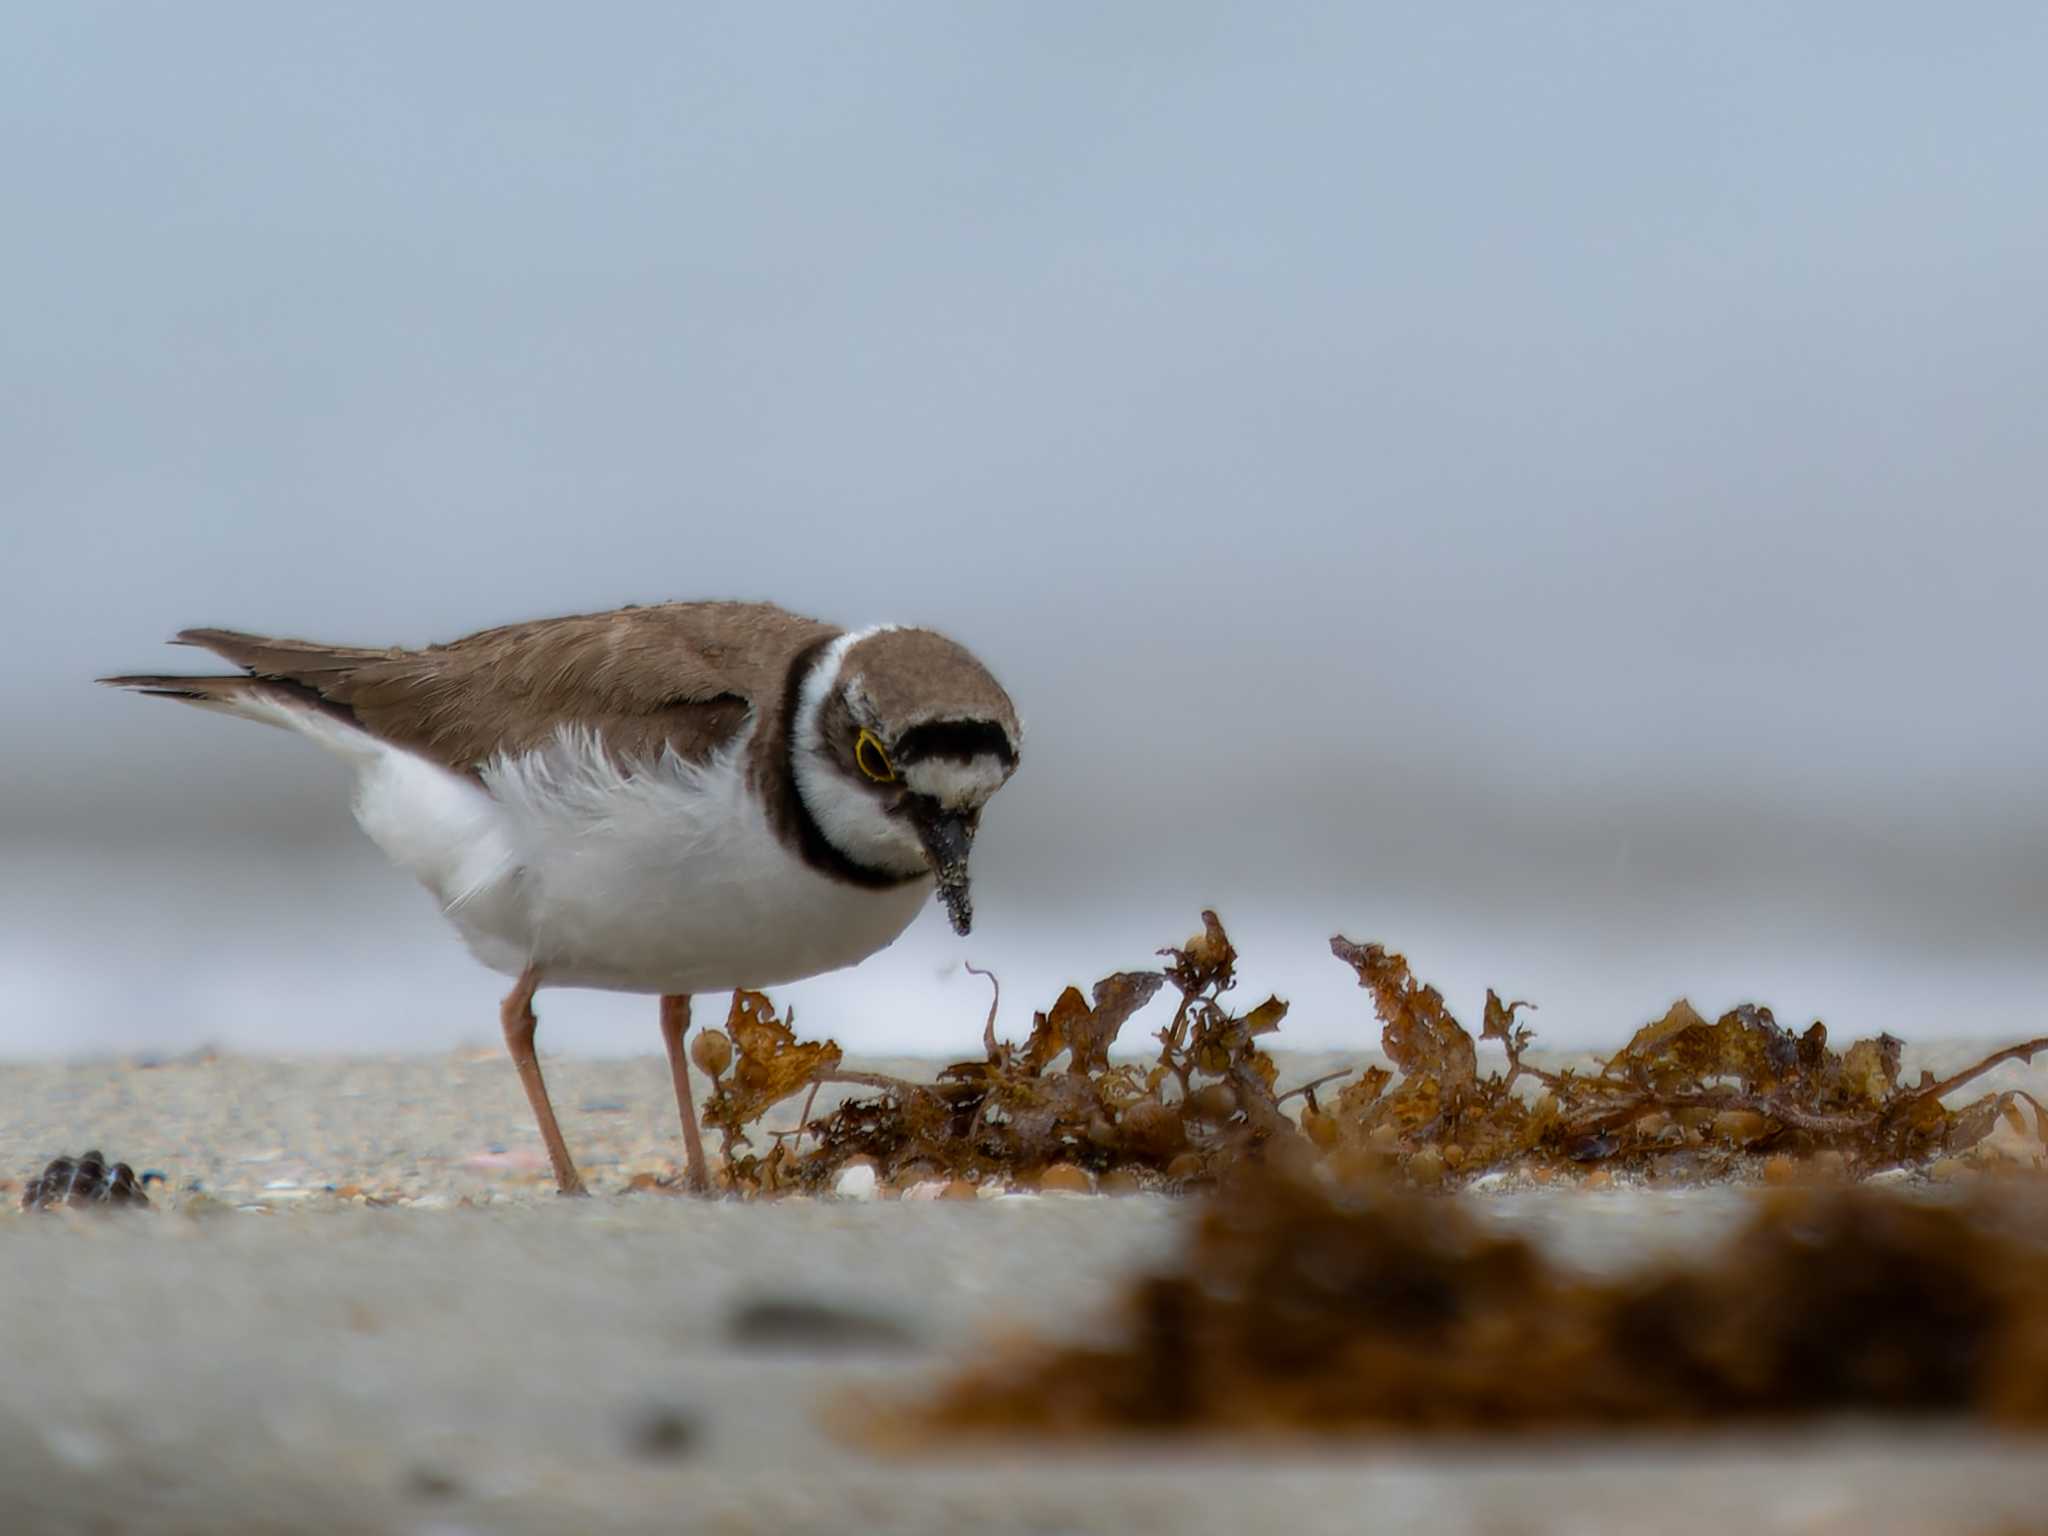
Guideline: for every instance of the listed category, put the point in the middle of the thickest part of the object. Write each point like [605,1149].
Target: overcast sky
[1557,489]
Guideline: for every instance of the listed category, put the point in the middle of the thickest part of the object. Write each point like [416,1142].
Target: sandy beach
[358,1306]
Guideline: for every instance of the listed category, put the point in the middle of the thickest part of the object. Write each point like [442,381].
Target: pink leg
[675,1023]
[516,1014]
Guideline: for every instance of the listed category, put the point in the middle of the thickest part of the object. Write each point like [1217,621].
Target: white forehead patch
[956,785]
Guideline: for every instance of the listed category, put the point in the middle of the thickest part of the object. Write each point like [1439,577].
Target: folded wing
[678,676]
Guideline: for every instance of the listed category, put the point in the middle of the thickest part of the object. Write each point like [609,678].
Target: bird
[667,799]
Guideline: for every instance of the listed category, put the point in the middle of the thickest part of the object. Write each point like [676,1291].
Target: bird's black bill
[947,835]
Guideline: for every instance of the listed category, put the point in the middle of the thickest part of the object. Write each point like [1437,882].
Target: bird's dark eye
[873,761]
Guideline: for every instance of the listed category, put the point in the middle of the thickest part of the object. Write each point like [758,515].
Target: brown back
[679,676]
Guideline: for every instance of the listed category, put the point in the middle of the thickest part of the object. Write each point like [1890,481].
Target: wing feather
[678,676]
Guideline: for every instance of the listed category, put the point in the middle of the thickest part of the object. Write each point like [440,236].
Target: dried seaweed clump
[1207,1101]
[1684,1098]
[1293,1309]
[755,1063]
[85,1181]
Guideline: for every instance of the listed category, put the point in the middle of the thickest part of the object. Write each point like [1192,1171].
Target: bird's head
[899,739]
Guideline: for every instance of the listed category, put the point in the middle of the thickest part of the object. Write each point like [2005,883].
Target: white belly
[667,879]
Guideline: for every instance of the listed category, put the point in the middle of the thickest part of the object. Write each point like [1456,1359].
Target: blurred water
[146,949]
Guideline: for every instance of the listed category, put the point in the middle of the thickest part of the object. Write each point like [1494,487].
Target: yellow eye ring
[872,760]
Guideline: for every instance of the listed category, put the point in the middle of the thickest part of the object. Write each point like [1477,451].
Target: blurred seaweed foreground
[1686,1100]
[1298,1307]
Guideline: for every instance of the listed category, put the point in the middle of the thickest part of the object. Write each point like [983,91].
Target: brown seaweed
[1298,1308]
[1683,1094]
[1686,1098]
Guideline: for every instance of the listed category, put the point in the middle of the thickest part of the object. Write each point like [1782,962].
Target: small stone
[1829,1163]
[808,1323]
[960,1189]
[605,1106]
[1591,1147]
[1066,1178]
[662,1433]
[83,1182]
[1120,1181]
[857,1181]
[1599,1178]
[1780,1169]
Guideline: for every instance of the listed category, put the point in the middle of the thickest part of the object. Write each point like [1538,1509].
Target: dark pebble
[1590,1149]
[84,1181]
[605,1106]
[801,1322]
[423,1481]
[662,1433]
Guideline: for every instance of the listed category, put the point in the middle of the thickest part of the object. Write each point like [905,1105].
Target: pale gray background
[1558,489]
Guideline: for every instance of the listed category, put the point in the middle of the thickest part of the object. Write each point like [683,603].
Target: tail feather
[301,661]
[284,682]
[254,698]
[193,690]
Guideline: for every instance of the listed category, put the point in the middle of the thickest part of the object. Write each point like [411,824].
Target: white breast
[663,878]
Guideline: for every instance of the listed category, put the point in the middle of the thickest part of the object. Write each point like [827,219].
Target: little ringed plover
[674,799]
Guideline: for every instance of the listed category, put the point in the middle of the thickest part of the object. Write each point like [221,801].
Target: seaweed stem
[1314,1083]
[2021,1052]
[988,1030]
